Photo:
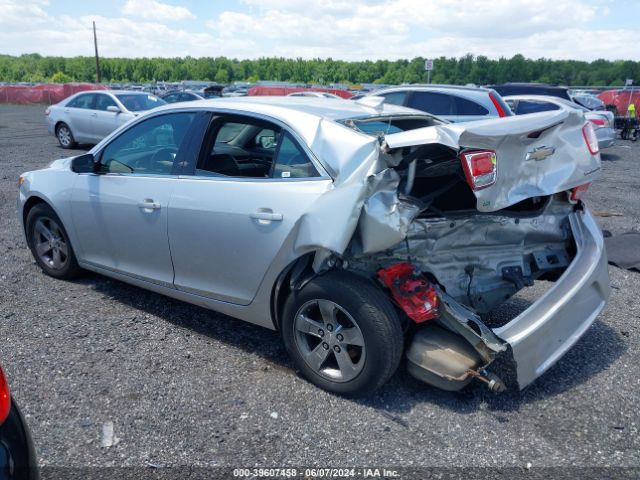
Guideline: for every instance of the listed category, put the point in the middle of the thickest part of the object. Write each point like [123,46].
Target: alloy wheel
[64,135]
[329,340]
[50,244]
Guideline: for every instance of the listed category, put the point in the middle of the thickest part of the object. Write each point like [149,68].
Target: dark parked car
[181,96]
[587,101]
[17,454]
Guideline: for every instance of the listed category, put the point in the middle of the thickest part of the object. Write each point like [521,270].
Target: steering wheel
[164,154]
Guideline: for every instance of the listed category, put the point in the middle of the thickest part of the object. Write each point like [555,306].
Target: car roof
[281,107]
[432,86]
[124,92]
[529,84]
[531,96]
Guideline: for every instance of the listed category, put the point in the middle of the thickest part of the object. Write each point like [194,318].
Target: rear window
[379,126]
[467,107]
[137,103]
[526,106]
[432,102]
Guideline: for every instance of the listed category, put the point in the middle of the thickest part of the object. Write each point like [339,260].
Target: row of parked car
[89,116]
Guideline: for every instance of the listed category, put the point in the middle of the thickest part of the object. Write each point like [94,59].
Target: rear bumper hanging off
[540,335]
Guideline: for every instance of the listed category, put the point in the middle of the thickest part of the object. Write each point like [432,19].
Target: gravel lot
[186,386]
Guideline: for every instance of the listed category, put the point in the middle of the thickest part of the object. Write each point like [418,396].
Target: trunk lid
[537,155]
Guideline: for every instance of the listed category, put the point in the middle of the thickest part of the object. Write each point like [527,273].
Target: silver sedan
[353,228]
[88,117]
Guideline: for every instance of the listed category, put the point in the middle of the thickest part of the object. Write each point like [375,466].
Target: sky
[340,29]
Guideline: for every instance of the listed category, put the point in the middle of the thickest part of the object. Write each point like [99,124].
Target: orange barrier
[46,93]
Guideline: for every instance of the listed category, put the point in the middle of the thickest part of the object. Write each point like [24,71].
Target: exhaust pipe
[446,360]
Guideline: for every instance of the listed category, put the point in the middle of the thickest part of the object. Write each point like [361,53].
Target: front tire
[343,333]
[49,243]
[64,136]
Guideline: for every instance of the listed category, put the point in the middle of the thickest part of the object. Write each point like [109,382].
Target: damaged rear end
[466,217]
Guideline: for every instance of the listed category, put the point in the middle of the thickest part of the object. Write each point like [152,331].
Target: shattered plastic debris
[108,437]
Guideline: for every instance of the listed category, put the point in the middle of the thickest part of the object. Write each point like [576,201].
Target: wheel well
[28,205]
[294,276]
[60,122]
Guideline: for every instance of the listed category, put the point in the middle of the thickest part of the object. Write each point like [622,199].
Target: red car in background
[17,453]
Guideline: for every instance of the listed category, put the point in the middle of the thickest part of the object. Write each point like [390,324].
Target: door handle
[148,204]
[265,216]
[94,114]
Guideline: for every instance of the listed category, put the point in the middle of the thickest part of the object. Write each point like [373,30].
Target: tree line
[479,70]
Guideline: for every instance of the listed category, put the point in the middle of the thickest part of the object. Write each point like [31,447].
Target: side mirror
[266,141]
[113,108]
[84,164]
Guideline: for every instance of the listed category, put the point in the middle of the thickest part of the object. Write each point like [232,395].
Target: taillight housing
[499,107]
[5,397]
[47,111]
[575,194]
[600,122]
[590,138]
[480,168]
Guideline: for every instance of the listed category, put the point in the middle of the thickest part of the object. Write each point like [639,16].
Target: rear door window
[394,98]
[468,107]
[432,102]
[292,161]
[171,98]
[86,101]
[239,146]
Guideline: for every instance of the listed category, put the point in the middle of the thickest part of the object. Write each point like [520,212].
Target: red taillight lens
[601,122]
[496,103]
[480,167]
[590,138]
[5,397]
[575,193]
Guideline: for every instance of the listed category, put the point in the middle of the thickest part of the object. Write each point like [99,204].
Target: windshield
[137,103]
[378,126]
[590,102]
[575,105]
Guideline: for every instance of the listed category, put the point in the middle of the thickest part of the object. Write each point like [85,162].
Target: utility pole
[95,44]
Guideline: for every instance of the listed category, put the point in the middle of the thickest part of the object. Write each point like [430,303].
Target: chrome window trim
[225,178]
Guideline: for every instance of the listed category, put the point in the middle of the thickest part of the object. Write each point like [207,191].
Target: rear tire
[343,333]
[64,136]
[49,243]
